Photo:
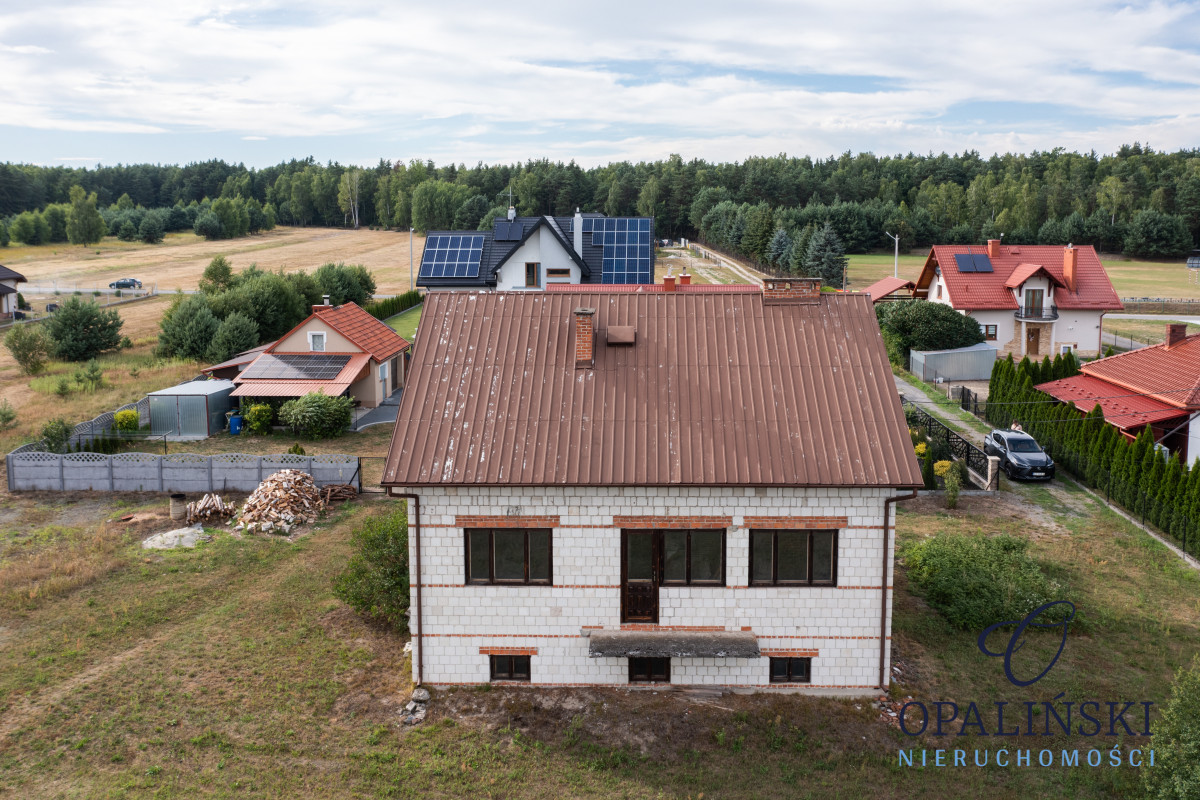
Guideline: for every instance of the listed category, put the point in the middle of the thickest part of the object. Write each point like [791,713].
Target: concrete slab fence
[33,470]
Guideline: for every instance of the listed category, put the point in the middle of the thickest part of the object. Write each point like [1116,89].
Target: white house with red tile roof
[337,350]
[1035,300]
[8,291]
[1157,386]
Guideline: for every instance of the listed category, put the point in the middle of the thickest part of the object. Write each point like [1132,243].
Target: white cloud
[459,81]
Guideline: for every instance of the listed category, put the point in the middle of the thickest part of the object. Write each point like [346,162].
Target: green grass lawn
[1148,331]
[405,323]
[231,670]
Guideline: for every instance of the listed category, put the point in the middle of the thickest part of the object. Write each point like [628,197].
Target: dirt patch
[379,690]
[661,723]
[995,505]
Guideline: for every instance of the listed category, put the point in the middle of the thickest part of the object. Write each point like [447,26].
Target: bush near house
[126,421]
[258,419]
[391,306]
[375,583]
[977,581]
[30,347]
[55,435]
[317,416]
[909,325]
[1176,775]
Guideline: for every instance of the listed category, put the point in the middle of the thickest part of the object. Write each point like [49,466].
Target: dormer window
[316,342]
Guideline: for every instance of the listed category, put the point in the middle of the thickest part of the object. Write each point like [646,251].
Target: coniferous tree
[826,258]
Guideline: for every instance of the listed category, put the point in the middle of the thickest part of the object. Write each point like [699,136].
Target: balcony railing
[1037,313]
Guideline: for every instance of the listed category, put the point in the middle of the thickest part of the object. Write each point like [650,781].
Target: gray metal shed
[972,363]
[195,409]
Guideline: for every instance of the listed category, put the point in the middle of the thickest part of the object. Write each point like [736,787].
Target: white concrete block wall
[841,623]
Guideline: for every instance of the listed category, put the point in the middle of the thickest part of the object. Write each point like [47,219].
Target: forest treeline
[1139,200]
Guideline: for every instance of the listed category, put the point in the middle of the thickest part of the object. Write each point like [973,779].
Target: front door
[1034,342]
[640,567]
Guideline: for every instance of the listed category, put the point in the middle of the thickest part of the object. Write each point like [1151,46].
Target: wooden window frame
[687,581]
[537,274]
[790,677]
[508,668]
[990,332]
[491,579]
[558,273]
[635,676]
[939,291]
[775,558]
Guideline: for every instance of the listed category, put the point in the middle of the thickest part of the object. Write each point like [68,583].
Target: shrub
[258,419]
[391,306]
[921,325]
[1176,774]
[82,330]
[235,334]
[30,347]
[953,484]
[55,435]
[187,329]
[316,415]
[8,415]
[126,420]
[62,388]
[375,582]
[927,474]
[296,450]
[942,468]
[977,581]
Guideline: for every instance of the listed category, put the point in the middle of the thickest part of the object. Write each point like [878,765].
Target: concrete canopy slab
[672,644]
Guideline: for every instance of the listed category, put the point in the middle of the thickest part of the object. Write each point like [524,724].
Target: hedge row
[391,306]
[1136,474]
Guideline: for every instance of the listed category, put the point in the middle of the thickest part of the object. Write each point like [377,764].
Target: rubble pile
[208,508]
[415,711]
[281,502]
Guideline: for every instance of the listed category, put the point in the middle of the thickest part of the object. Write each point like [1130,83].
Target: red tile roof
[1171,376]
[979,291]
[1024,272]
[719,389]
[1121,407]
[884,287]
[373,336]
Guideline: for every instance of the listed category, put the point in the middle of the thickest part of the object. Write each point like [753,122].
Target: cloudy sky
[109,81]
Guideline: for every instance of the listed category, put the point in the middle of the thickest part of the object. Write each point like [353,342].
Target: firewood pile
[208,508]
[282,501]
[336,492]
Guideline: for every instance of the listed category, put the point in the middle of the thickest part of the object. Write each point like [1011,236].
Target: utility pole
[411,285]
[896,264]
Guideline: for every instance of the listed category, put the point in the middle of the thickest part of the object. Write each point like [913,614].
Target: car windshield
[1023,446]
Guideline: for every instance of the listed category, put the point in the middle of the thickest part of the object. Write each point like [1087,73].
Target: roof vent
[621,335]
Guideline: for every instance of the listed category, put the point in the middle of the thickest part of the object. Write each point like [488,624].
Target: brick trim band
[508,651]
[656,523]
[803,523]
[790,653]
[493,521]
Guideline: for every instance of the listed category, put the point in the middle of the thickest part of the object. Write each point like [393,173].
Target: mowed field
[180,260]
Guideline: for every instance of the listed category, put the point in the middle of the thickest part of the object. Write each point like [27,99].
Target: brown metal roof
[719,389]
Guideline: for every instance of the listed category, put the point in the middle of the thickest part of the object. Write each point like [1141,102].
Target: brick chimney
[993,248]
[324,304]
[1176,333]
[1070,262]
[669,283]
[796,290]
[585,338]
[685,279]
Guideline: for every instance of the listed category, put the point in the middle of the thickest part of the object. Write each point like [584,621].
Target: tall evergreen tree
[826,258]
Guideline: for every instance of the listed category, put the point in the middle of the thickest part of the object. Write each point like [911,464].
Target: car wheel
[1008,472]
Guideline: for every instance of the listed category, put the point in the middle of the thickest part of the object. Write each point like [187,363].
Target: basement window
[791,670]
[510,668]
[694,558]
[649,670]
[793,558]
[508,556]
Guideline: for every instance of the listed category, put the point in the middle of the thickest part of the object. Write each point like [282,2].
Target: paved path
[384,413]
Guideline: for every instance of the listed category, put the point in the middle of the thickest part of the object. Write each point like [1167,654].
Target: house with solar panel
[523,253]
[338,350]
[613,485]
[1029,300]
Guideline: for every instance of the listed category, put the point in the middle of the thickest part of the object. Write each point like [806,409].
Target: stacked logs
[282,501]
[208,508]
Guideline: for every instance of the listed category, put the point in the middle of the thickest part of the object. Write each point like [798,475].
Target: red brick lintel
[789,523]
[493,521]
[673,523]
[790,653]
[508,651]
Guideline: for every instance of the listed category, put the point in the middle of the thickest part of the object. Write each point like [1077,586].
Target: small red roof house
[1157,386]
[1033,300]
[338,350]
[8,291]
[886,289]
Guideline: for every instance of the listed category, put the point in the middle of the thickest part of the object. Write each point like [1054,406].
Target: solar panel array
[973,262]
[296,366]
[508,231]
[628,250]
[452,256]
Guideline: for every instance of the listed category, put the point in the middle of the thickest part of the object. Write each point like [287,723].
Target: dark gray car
[1020,455]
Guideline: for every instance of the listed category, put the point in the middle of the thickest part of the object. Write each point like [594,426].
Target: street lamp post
[896,264]
[411,285]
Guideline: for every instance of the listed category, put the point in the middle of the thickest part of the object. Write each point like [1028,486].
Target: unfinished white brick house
[684,484]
